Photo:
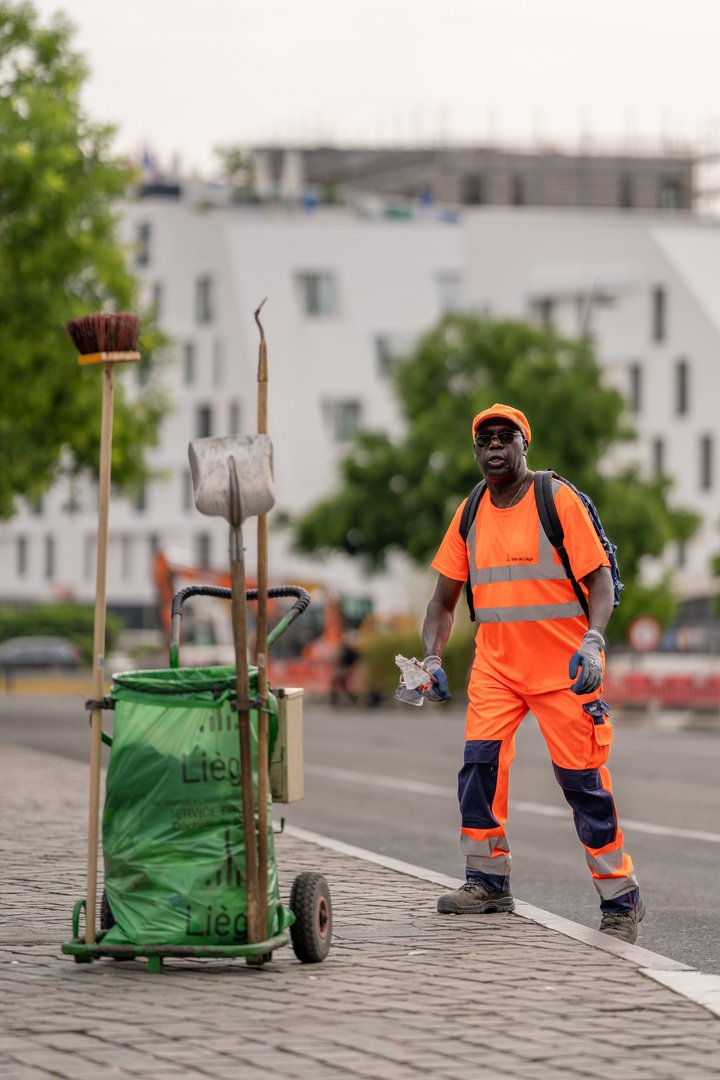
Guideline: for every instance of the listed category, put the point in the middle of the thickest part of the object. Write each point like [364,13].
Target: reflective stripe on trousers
[487,852]
[487,860]
[589,793]
[578,748]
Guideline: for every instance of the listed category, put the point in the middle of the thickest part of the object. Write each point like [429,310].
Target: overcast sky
[184,76]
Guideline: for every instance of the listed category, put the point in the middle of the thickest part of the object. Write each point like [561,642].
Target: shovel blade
[215,462]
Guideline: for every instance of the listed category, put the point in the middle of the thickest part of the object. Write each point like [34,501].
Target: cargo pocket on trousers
[598,712]
[477,782]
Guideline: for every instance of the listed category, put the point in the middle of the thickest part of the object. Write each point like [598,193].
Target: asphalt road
[384,779]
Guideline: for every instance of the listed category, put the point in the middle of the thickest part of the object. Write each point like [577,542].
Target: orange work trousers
[579,743]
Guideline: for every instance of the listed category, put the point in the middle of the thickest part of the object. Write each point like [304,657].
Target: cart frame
[256,953]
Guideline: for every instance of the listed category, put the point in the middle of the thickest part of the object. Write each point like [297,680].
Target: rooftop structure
[483,175]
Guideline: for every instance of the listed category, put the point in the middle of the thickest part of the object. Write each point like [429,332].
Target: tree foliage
[401,493]
[59,258]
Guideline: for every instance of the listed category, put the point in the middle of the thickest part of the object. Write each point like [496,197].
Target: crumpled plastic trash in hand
[414,680]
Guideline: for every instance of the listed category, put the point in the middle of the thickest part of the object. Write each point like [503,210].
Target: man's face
[501,460]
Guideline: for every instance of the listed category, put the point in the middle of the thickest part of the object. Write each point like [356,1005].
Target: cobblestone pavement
[405,992]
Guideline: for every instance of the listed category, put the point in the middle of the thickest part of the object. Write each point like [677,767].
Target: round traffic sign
[644,633]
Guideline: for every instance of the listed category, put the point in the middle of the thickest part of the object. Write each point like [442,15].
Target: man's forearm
[439,615]
[601,598]
[436,628]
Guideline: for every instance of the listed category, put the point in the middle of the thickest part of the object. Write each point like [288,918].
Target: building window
[89,557]
[385,357]
[658,457]
[142,244]
[203,422]
[235,418]
[204,299]
[389,348]
[189,362]
[22,556]
[625,194]
[218,362]
[141,497]
[659,314]
[187,490]
[670,196]
[203,549]
[517,190]
[35,504]
[545,310]
[142,373]
[449,287]
[49,557]
[635,401]
[472,190]
[317,293]
[706,462]
[157,299]
[342,418]
[682,387]
[125,556]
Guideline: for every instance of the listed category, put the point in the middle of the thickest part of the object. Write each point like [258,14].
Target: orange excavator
[309,652]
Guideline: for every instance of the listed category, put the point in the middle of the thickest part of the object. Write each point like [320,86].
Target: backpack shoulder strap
[545,502]
[552,526]
[468,516]
[470,509]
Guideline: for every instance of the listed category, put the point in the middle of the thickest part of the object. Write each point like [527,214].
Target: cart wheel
[311,932]
[107,919]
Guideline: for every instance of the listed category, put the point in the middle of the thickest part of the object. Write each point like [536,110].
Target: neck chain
[514,498]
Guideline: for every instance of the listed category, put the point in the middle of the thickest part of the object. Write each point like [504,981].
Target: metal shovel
[233,478]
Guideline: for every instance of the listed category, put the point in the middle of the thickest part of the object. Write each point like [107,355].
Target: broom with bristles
[101,339]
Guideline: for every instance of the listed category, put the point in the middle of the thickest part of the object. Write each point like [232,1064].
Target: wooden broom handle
[98,680]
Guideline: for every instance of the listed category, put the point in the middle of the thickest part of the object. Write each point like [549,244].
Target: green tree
[237,170]
[59,258]
[401,494]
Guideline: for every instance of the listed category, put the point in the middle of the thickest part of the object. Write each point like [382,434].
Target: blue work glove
[439,691]
[588,660]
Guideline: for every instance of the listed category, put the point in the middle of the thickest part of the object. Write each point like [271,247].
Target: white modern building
[343,295]
[346,291]
[648,290]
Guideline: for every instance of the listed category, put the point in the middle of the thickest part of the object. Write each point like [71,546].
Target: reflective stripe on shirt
[545,569]
[529,613]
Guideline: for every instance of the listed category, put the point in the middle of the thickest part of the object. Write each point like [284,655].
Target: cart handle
[301,602]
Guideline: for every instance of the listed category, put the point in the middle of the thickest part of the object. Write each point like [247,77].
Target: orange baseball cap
[506,413]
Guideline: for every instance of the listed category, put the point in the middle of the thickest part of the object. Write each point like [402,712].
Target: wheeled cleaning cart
[173,828]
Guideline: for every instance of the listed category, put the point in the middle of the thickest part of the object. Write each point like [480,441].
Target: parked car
[39,652]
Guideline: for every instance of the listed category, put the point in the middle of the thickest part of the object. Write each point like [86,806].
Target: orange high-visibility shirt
[530,645]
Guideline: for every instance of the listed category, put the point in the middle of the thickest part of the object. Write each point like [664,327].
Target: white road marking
[416,787]
[694,985]
[396,783]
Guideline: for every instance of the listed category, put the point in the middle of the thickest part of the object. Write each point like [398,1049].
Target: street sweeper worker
[535,650]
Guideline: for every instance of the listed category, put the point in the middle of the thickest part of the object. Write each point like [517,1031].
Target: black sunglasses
[505,437]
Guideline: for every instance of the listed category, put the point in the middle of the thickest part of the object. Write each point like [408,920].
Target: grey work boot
[623,924]
[472,898]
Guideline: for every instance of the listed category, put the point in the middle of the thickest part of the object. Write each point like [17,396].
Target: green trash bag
[173,830]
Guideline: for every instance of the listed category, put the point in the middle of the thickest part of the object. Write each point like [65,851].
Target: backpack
[545,502]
